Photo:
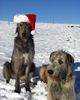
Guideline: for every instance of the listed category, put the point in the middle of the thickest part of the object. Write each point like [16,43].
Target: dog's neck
[22,44]
[58,89]
[62,81]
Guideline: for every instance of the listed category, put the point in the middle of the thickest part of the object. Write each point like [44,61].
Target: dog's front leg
[17,83]
[27,80]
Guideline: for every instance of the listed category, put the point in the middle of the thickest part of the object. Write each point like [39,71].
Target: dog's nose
[24,34]
[50,72]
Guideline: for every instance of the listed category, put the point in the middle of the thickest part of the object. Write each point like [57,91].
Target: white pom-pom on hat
[30,18]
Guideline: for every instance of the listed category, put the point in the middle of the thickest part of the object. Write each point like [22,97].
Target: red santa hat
[30,18]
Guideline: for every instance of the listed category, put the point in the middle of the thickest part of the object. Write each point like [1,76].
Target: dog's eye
[60,61]
[20,25]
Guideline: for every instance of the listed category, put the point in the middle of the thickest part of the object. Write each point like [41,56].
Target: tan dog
[59,76]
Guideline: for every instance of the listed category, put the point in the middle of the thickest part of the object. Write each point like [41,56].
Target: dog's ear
[69,73]
[69,67]
[70,58]
[51,58]
[28,26]
[16,30]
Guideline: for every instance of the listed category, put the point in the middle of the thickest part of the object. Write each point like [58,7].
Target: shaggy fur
[60,77]
[21,66]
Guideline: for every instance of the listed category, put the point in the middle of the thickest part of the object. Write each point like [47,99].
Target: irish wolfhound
[60,79]
[21,66]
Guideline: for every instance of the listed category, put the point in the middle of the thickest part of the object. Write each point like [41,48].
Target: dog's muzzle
[24,34]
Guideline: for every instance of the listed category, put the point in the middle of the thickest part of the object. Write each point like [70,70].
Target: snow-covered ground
[48,37]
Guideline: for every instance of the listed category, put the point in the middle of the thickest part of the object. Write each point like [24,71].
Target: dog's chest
[25,56]
[22,47]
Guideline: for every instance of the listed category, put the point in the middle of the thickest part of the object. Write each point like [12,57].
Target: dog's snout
[50,72]
[24,34]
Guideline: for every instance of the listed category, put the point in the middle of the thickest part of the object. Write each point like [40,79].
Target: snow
[48,37]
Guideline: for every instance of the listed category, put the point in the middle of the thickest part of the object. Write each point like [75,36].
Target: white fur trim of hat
[20,18]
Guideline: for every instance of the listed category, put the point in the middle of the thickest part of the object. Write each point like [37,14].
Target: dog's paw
[8,80]
[27,89]
[17,91]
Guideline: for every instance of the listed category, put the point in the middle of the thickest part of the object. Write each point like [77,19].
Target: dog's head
[60,67]
[23,29]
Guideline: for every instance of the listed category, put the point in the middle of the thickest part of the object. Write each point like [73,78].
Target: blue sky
[53,11]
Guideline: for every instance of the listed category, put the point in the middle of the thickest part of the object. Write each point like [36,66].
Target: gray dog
[59,76]
[21,66]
